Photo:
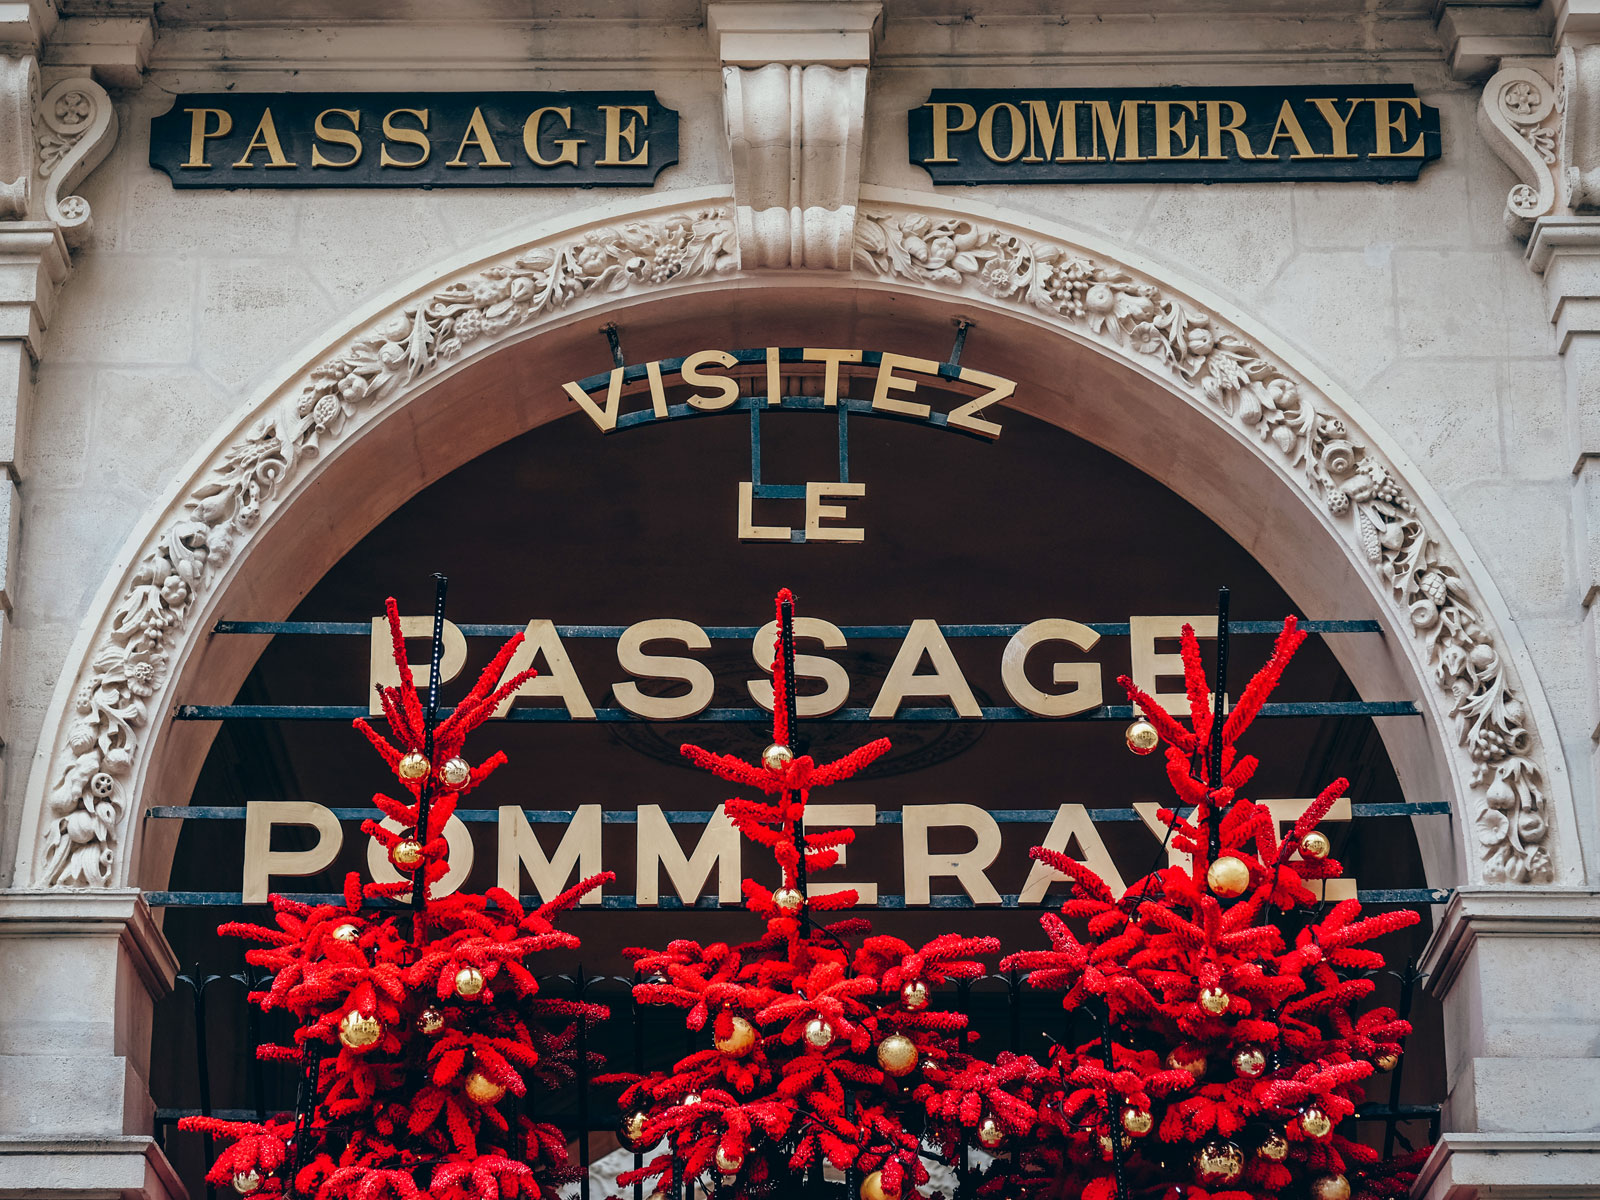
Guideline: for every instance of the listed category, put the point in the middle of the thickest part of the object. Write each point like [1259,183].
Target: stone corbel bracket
[795,136]
[1518,115]
[75,125]
[794,97]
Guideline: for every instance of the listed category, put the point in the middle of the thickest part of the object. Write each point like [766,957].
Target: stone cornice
[1477,34]
[56,1168]
[33,263]
[1474,913]
[100,912]
[831,33]
[1508,1166]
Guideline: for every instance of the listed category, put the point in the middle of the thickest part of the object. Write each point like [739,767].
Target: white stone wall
[1413,297]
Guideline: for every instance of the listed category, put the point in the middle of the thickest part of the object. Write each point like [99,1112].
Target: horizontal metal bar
[744,632]
[556,816]
[672,903]
[845,716]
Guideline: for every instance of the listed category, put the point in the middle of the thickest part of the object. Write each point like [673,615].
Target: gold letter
[557,678]
[749,531]
[942,129]
[724,390]
[999,389]
[924,637]
[1167,129]
[407,137]
[806,666]
[1215,128]
[579,850]
[530,138]
[1086,676]
[1072,821]
[1288,126]
[385,674]
[477,134]
[616,135]
[1019,134]
[1065,120]
[340,137]
[633,660]
[968,868]
[264,138]
[888,382]
[830,816]
[830,374]
[1388,126]
[1339,125]
[817,512]
[1149,668]
[199,118]
[1126,122]
[261,861]
[658,847]
[605,418]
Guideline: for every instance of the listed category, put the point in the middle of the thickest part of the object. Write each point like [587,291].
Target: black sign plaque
[414,139]
[1372,132]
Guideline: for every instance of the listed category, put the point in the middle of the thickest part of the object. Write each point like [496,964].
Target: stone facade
[1453,325]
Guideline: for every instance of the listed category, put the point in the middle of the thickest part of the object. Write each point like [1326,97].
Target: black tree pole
[786,654]
[419,881]
[1218,703]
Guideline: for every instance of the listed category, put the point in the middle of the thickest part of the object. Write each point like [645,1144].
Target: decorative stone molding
[49,144]
[81,794]
[1306,433]
[794,97]
[795,135]
[1519,118]
[19,96]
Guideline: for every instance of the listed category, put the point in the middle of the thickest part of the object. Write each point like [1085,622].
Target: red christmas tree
[1231,1042]
[413,1026]
[815,1053]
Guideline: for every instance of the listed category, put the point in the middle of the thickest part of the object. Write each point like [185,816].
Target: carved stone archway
[107,744]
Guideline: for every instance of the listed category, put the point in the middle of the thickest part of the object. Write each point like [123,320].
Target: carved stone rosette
[86,801]
[1306,433]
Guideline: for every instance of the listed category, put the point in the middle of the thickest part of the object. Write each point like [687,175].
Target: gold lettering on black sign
[1210,135]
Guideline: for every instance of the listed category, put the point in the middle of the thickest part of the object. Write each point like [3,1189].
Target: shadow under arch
[440,371]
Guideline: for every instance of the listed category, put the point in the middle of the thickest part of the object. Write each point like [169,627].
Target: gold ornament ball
[358,1031]
[1314,1123]
[1387,1061]
[872,1188]
[788,901]
[1315,846]
[346,932]
[1142,737]
[776,757]
[740,1041]
[690,1098]
[729,1163]
[897,1054]
[1215,1001]
[1275,1148]
[1249,1062]
[414,766]
[484,1090]
[1137,1121]
[1330,1187]
[631,1131]
[456,771]
[1187,1058]
[819,1034]
[1218,1162]
[915,995]
[990,1134]
[1228,877]
[1107,1150]
[246,1182]
[430,1021]
[407,854]
[469,981]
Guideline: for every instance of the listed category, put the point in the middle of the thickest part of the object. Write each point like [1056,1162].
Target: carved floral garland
[1308,435]
[89,800]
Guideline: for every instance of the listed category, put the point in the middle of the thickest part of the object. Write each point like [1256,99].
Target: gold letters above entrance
[1369,132]
[900,387]
[414,139]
